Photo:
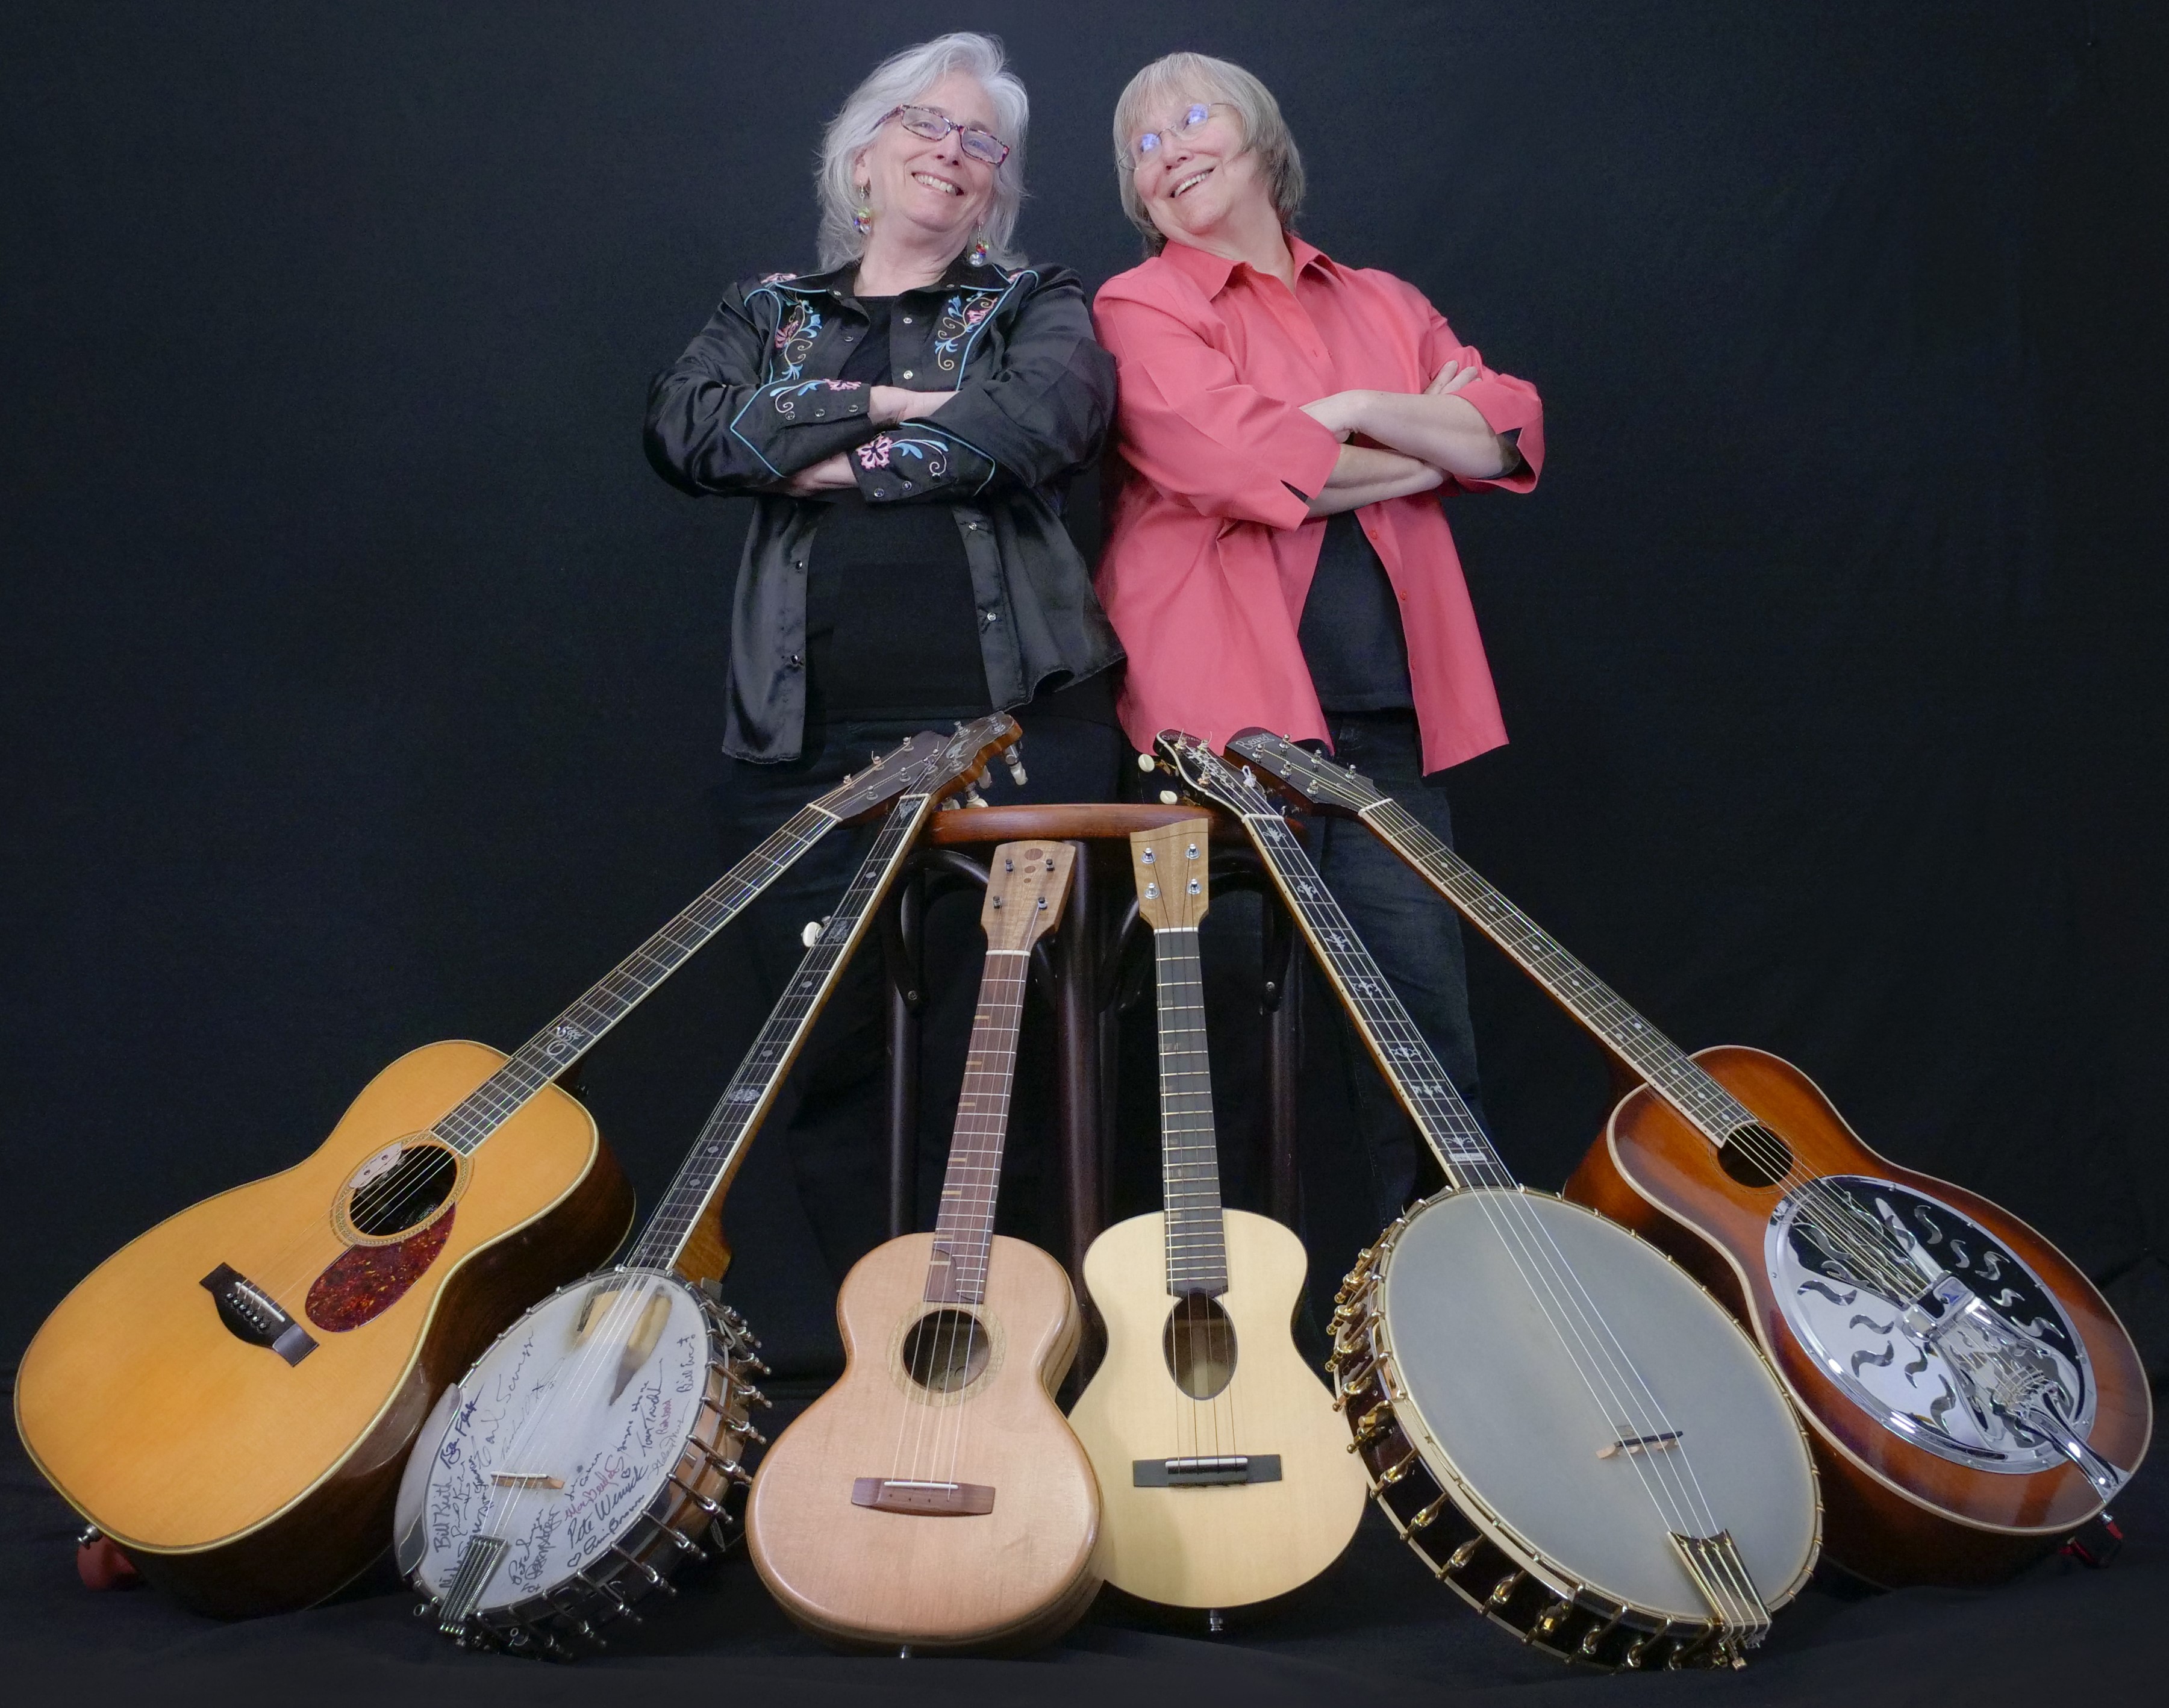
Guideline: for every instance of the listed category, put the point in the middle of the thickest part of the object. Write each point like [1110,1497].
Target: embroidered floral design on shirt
[874,452]
[795,338]
[953,327]
[786,396]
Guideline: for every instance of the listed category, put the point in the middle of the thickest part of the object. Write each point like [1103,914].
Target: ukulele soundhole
[402,1188]
[947,1350]
[1754,1156]
[1199,1345]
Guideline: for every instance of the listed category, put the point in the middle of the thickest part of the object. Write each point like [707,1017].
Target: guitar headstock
[1027,882]
[1171,866]
[1311,778]
[1211,778]
[929,763]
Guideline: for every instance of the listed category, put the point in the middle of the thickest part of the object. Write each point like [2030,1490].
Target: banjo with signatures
[1972,1396]
[1566,1429]
[593,1449]
[230,1396]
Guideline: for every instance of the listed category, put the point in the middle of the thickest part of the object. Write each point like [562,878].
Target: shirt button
[796,661]
[907,373]
[906,486]
[906,320]
[798,563]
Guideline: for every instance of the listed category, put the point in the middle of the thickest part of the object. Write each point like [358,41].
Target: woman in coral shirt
[1276,553]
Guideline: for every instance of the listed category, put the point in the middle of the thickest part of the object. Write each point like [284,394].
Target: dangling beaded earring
[978,258]
[862,216]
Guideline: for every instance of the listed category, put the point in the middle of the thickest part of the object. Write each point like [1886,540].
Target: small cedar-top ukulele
[1225,1476]
[1971,1397]
[229,1396]
[935,1498]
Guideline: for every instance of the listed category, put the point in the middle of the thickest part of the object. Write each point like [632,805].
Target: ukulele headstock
[1208,777]
[1027,882]
[929,763]
[1171,866]
[1311,778]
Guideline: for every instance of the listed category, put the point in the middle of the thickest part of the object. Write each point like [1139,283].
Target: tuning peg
[973,797]
[1167,797]
[812,934]
[1014,759]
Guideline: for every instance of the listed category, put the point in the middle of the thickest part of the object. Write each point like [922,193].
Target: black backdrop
[363,685]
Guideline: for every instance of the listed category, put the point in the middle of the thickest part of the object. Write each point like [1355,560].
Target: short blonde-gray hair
[895,82]
[1264,132]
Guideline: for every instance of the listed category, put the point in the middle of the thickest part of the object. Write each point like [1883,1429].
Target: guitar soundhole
[1754,1156]
[387,1200]
[1200,1347]
[947,1350]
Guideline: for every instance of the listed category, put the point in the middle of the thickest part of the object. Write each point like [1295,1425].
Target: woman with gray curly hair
[906,419]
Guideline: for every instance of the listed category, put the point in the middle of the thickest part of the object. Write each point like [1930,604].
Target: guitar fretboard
[1447,1124]
[964,1230]
[1669,1071]
[545,1055]
[1189,1151]
[716,1155]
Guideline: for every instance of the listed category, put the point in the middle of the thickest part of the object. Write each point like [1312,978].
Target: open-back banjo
[1973,1398]
[1622,1483]
[593,1448]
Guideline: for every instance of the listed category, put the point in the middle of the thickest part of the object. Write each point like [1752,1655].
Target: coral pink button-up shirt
[1210,549]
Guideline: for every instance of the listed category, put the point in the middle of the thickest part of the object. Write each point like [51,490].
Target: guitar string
[1560,1309]
[732,892]
[776,855]
[1893,1268]
[643,1275]
[1873,1256]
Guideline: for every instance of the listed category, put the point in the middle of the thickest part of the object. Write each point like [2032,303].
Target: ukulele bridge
[1205,1470]
[920,1499]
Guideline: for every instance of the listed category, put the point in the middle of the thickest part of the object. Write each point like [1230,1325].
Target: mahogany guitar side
[245,1484]
[1016,1575]
[1895,1512]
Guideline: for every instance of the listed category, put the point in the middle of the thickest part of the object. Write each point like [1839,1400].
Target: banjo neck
[716,1155]
[1171,866]
[1027,884]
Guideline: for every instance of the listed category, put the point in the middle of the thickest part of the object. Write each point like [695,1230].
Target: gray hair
[895,82]
[1264,132]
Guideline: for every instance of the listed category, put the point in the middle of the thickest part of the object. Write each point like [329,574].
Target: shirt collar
[1210,273]
[962,275]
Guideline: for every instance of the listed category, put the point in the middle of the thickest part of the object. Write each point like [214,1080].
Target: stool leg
[903,953]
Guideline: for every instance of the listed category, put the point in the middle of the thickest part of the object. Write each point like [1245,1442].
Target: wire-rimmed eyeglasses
[1184,130]
[933,124]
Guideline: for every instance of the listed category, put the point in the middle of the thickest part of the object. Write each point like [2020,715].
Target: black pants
[830,1114]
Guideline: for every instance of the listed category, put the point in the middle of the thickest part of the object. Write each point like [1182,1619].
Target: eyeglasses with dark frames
[933,124]
[1149,143]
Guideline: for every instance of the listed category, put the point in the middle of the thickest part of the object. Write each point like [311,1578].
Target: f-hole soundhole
[405,1195]
[946,1350]
[1754,1156]
[1200,1347]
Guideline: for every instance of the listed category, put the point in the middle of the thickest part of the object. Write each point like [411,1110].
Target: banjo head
[560,1438]
[1564,1455]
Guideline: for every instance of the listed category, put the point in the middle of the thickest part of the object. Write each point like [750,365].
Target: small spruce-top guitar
[935,1498]
[1225,1476]
[1971,1395]
[229,1396]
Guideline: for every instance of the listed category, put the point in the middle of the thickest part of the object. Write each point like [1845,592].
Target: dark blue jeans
[1414,935]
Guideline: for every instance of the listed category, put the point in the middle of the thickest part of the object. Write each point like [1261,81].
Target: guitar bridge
[252,1315]
[1206,1471]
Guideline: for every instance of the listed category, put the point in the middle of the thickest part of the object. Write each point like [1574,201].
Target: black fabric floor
[1375,1629]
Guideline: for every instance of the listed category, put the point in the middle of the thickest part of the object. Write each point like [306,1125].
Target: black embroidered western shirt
[757,397]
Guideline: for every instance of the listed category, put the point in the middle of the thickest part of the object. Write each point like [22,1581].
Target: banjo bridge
[1641,1444]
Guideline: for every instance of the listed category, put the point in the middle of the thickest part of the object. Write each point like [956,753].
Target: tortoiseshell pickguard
[366,1281]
